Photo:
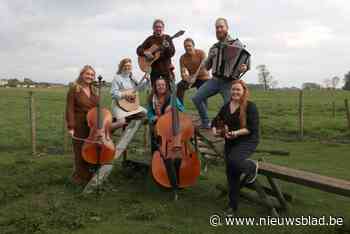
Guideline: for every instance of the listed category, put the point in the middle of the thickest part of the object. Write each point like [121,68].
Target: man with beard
[160,67]
[216,61]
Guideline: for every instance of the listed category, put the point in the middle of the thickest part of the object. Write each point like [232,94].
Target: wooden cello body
[98,147]
[176,147]
[175,129]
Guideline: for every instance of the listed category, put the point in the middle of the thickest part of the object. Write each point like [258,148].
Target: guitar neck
[161,47]
[200,67]
[139,84]
[194,76]
[98,108]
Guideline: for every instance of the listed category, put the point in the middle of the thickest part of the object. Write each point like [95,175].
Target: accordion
[229,58]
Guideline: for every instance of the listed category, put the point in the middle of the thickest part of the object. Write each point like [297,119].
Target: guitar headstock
[178,34]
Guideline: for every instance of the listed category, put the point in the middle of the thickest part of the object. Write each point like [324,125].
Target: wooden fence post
[347,111]
[32,114]
[301,115]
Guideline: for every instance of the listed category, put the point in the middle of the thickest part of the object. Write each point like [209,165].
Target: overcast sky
[300,41]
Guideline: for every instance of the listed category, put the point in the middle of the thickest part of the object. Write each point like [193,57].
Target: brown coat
[78,105]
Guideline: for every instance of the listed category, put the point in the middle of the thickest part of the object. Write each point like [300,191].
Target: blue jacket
[151,114]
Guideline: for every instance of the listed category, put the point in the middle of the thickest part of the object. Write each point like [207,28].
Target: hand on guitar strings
[230,134]
[148,55]
[215,133]
[129,95]
[224,132]
[71,132]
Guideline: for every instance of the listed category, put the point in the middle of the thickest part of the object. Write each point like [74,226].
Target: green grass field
[37,197]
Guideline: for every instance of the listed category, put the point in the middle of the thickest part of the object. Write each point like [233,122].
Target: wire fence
[35,120]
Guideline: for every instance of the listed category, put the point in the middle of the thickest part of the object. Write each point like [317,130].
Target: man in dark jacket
[219,64]
[161,66]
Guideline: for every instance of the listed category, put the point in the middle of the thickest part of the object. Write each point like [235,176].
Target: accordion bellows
[227,58]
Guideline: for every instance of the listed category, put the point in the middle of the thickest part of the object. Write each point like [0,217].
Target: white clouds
[310,36]
[51,40]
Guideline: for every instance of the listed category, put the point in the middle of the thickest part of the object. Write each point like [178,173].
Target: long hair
[154,89]
[77,84]
[122,64]
[243,102]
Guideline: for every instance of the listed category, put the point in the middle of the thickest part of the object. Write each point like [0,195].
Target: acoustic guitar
[155,50]
[132,102]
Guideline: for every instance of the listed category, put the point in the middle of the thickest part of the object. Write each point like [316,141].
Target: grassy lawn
[36,196]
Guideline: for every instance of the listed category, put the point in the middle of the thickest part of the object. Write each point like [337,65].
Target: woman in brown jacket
[81,97]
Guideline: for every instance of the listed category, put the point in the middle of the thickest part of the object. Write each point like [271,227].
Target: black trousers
[236,164]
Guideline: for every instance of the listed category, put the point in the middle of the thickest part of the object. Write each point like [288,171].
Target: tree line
[269,82]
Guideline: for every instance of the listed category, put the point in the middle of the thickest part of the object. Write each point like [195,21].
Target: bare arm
[183,69]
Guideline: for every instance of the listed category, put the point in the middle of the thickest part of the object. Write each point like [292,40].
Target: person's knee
[195,99]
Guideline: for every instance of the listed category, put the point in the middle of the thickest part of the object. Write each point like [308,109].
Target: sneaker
[205,126]
[250,178]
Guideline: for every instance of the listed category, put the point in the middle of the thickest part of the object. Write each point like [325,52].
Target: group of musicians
[238,116]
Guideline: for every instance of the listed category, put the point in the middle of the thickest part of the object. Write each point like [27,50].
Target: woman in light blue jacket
[122,86]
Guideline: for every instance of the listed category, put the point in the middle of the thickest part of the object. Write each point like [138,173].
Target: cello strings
[86,140]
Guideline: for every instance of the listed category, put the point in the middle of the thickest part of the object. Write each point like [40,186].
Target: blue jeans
[208,89]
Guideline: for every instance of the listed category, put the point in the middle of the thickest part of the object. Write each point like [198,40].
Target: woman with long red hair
[238,121]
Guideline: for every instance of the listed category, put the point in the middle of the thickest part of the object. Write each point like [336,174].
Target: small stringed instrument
[221,128]
[155,50]
[193,78]
[175,129]
[132,102]
[98,147]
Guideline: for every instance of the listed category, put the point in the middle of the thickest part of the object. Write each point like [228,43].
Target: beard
[221,36]
[157,34]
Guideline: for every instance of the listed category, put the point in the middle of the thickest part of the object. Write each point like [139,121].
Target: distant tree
[335,81]
[327,83]
[347,81]
[265,77]
[256,86]
[274,83]
[28,81]
[311,86]
[13,82]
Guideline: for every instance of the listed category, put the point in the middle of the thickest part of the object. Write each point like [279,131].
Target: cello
[98,147]
[175,129]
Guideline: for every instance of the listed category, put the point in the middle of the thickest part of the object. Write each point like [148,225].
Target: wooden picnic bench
[210,145]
